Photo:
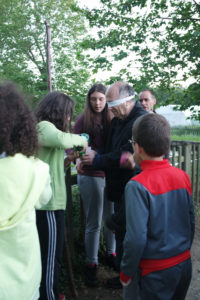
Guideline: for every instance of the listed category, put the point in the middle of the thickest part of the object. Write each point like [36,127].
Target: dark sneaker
[114,283]
[110,260]
[91,275]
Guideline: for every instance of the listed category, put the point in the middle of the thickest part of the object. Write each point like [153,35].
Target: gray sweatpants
[96,207]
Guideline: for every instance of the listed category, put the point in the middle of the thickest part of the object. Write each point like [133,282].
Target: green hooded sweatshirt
[24,186]
[53,142]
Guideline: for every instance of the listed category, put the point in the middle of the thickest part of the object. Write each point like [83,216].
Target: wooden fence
[186,155]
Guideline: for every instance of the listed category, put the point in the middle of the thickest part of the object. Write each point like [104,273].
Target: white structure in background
[175,117]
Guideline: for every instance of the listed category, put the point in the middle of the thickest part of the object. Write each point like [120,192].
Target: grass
[192,138]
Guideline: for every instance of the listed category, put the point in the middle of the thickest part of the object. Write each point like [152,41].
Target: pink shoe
[61,297]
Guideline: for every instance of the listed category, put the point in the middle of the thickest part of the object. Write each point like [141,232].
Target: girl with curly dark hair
[24,185]
[18,133]
[54,114]
[95,121]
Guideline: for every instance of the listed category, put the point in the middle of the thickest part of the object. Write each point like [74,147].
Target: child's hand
[127,161]
[79,151]
[70,157]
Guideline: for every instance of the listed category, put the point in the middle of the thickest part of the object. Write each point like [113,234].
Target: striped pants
[50,225]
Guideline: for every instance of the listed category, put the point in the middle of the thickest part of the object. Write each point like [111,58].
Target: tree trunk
[48,51]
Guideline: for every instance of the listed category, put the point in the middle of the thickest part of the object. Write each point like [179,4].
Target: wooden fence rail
[186,155]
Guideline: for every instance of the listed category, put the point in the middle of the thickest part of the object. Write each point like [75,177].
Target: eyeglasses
[132,142]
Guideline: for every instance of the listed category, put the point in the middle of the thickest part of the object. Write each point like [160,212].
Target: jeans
[96,207]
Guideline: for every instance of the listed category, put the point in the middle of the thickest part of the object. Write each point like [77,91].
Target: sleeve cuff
[124,278]
[96,161]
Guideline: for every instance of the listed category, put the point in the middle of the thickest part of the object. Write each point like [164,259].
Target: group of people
[124,179]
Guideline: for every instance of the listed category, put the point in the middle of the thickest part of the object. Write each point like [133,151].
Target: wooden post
[69,266]
[187,158]
[68,183]
[48,51]
[82,221]
[69,243]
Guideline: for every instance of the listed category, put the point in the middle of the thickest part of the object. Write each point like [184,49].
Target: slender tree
[48,56]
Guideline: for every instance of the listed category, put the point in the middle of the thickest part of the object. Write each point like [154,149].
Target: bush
[186,130]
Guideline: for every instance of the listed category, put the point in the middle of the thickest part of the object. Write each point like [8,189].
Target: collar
[136,112]
[154,164]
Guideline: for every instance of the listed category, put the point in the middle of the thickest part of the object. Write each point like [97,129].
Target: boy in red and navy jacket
[159,218]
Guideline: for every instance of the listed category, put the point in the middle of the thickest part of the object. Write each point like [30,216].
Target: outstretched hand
[87,159]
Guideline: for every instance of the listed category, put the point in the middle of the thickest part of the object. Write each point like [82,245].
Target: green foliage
[189,138]
[23,47]
[155,44]
[160,39]
[186,133]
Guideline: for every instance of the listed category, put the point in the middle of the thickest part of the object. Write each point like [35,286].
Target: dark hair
[150,91]
[17,123]
[152,133]
[57,108]
[89,116]
[125,90]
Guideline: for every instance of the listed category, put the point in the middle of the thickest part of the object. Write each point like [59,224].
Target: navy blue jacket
[120,133]
[159,215]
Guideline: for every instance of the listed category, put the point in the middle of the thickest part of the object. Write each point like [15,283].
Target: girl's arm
[50,136]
